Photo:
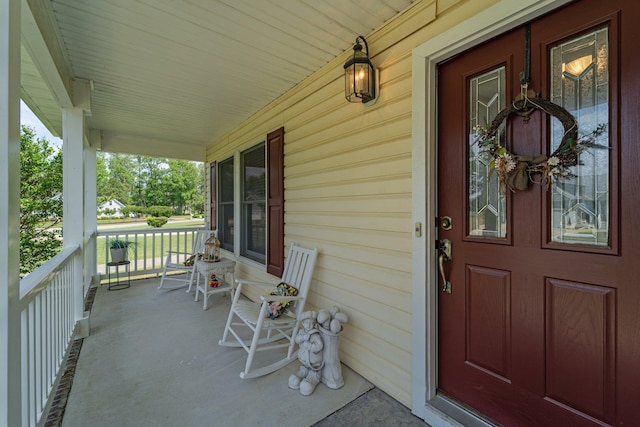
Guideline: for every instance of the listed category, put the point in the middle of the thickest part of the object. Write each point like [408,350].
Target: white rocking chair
[298,271]
[174,264]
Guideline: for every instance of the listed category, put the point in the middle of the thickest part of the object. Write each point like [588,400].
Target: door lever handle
[444,255]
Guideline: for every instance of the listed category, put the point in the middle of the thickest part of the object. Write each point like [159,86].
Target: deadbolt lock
[445,223]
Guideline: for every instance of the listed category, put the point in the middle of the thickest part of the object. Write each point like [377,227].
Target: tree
[196,200]
[144,181]
[102,178]
[40,200]
[121,178]
[181,181]
[150,187]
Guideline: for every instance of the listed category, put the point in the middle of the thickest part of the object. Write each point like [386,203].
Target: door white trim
[495,20]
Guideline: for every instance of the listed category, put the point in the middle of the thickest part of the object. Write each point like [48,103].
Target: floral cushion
[276,308]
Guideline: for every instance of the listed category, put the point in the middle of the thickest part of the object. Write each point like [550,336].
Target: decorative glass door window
[487,204]
[580,83]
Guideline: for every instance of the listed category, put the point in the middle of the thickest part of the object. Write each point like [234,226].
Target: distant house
[111,207]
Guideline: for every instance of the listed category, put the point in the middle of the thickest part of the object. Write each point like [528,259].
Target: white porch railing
[48,322]
[150,248]
[47,301]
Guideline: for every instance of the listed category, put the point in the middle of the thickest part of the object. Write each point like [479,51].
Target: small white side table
[220,269]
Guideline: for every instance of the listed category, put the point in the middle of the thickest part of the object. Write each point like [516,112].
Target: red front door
[542,325]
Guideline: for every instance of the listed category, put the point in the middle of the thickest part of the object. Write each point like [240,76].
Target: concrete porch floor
[152,359]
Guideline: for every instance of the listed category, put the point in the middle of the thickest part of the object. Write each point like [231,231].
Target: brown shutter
[213,212]
[275,202]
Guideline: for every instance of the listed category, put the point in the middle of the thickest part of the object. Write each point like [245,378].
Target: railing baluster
[144,247]
[162,251]
[107,253]
[46,345]
[153,251]
[32,360]
[46,342]
[24,342]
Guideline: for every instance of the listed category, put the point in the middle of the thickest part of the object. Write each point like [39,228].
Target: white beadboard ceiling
[171,76]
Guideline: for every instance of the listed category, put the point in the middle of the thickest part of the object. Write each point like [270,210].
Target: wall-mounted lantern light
[360,79]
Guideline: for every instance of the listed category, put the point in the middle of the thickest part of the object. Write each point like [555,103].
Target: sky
[29,119]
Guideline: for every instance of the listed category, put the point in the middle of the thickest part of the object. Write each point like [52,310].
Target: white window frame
[238,182]
[260,258]
[219,183]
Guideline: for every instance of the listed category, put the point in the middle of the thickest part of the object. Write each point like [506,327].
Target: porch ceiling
[169,77]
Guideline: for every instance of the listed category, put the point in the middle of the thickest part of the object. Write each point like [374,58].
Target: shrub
[157,221]
[136,211]
[159,211]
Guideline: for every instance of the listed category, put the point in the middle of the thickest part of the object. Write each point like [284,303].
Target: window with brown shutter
[261,231]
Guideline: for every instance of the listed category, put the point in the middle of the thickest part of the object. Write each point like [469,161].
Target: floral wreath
[515,171]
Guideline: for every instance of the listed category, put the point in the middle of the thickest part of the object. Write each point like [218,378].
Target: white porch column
[90,214]
[91,204]
[10,346]
[74,169]
[73,191]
